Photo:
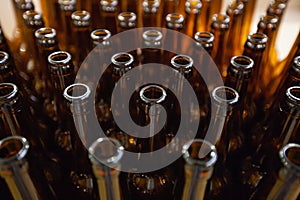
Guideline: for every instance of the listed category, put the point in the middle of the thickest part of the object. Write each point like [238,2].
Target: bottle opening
[193,6]
[293,94]
[225,95]
[175,20]
[106,150]
[268,21]
[100,36]
[7,91]
[152,37]
[235,8]
[153,94]
[220,21]
[3,57]
[81,18]
[77,91]
[200,152]
[59,57]
[297,61]
[33,18]
[182,62]
[290,156]
[67,4]
[276,8]
[204,37]
[258,38]
[45,33]
[151,6]
[109,5]
[122,59]
[13,148]
[25,4]
[127,19]
[242,64]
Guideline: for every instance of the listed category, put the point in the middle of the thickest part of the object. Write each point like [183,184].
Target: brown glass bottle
[126,21]
[151,14]
[205,40]
[192,12]
[169,6]
[21,172]
[105,155]
[220,27]
[107,19]
[282,182]
[200,157]
[152,40]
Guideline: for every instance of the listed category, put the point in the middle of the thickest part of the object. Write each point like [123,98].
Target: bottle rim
[81,18]
[235,8]
[97,156]
[126,59]
[152,36]
[100,34]
[8,94]
[220,95]
[77,91]
[3,57]
[290,162]
[109,6]
[182,62]
[33,18]
[293,94]
[175,18]
[18,144]
[193,6]
[241,64]
[203,161]
[204,37]
[64,57]
[153,100]
[220,21]
[67,5]
[45,33]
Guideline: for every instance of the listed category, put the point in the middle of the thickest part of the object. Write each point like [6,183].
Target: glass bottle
[151,14]
[20,171]
[126,21]
[220,27]
[282,181]
[169,6]
[175,21]
[205,40]
[200,157]
[108,10]
[100,37]
[225,134]
[152,39]
[105,155]
[192,12]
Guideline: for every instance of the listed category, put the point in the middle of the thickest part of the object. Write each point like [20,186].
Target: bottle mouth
[268,21]
[127,19]
[122,59]
[45,33]
[107,151]
[241,64]
[33,18]
[67,5]
[77,91]
[100,36]
[153,94]
[200,152]
[175,20]
[276,8]
[293,95]
[3,57]
[290,156]
[109,5]
[12,149]
[182,63]
[151,6]
[257,40]
[225,95]
[193,6]
[296,65]
[204,38]
[25,4]
[7,92]
[235,8]
[59,57]
[81,18]
[152,37]
[220,21]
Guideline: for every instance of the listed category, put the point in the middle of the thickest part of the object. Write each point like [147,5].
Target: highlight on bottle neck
[193,6]
[127,19]
[33,18]
[67,5]
[4,59]
[241,65]
[81,18]
[151,6]
[290,157]
[24,4]
[77,92]
[8,94]
[100,37]
[175,21]
[122,62]
[182,63]
[200,152]
[267,22]
[204,39]
[153,94]
[106,151]
[59,58]
[235,8]
[276,8]
[220,21]
[109,5]
[152,38]
[225,97]
[12,149]
[257,41]
[46,36]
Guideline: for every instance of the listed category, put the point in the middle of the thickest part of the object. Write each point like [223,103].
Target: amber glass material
[200,157]
[220,27]
[169,6]
[192,11]
[151,13]
[105,155]
[205,40]
[20,171]
[153,41]
[107,15]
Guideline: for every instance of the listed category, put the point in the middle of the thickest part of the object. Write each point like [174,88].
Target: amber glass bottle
[200,157]
[192,12]
[21,171]
[205,40]
[107,16]
[169,6]
[105,155]
[151,14]
[126,21]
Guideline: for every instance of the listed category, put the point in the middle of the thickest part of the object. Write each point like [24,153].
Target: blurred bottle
[205,40]
[200,157]
[192,12]
[21,172]
[126,21]
[169,6]
[105,155]
[107,19]
[220,27]
[151,15]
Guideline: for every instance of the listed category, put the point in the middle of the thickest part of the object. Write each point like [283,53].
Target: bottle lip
[122,59]
[220,21]
[241,64]
[193,6]
[111,146]
[77,91]
[293,95]
[268,21]
[225,95]
[81,18]
[175,18]
[182,62]
[235,8]
[288,159]
[18,144]
[67,5]
[109,6]
[152,37]
[297,62]
[153,100]
[3,57]
[204,37]
[258,40]
[45,33]
[127,19]
[25,4]
[150,6]
[276,8]
[64,58]
[10,92]
[206,154]
[100,36]
[33,18]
